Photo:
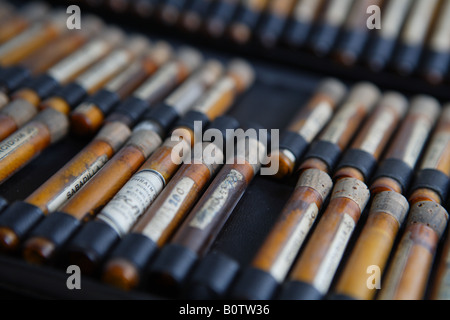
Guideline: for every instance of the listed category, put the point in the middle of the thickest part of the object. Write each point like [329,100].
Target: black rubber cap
[44,85]
[169,271]
[272,29]
[224,10]
[323,39]
[212,277]
[397,170]
[407,59]
[72,94]
[358,159]
[437,63]
[58,227]
[254,284]
[200,6]
[163,114]
[224,124]
[248,17]
[20,217]
[3,204]
[133,108]
[14,77]
[434,180]
[297,33]
[352,43]
[380,53]
[105,100]
[135,248]
[298,290]
[189,119]
[293,142]
[93,242]
[340,296]
[326,151]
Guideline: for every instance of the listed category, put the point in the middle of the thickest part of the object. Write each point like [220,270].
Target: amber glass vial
[389,208]
[307,124]
[194,237]
[115,219]
[25,101]
[409,271]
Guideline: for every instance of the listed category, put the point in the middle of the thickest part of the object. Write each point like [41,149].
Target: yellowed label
[316,121]
[224,86]
[377,132]
[168,210]
[22,38]
[76,185]
[159,82]
[122,212]
[393,18]
[13,142]
[337,11]
[290,250]
[216,201]
[418,22]
[395,272]
[435,151]
[339,123]
[330,263]
[78,61]
[104,69]
[416,142]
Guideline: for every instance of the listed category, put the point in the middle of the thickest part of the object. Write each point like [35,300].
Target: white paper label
[107,67]
[397,267]
[78,61]
[316,121]
[416,142]
[339,124]
[215,94]
[436,149]
[10,144]
[330,263]
[168,210]
[377,131]
[216,201]
[21,39]
[132,200]
[290,250]
[158,82]
[76,186]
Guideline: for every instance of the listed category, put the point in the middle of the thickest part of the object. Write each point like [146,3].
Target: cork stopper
[211,71]
[115,134]
[56,122]
[317,180]
[364,93]
[430,214]
[352,189]
[113,35]
[136,44]
[333,89]
[243,72]
[160,53]
[20,110]
[147,141]
[392,203]
[395,101]
[35,11]
[189,57]
[425,106]
[91,25]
